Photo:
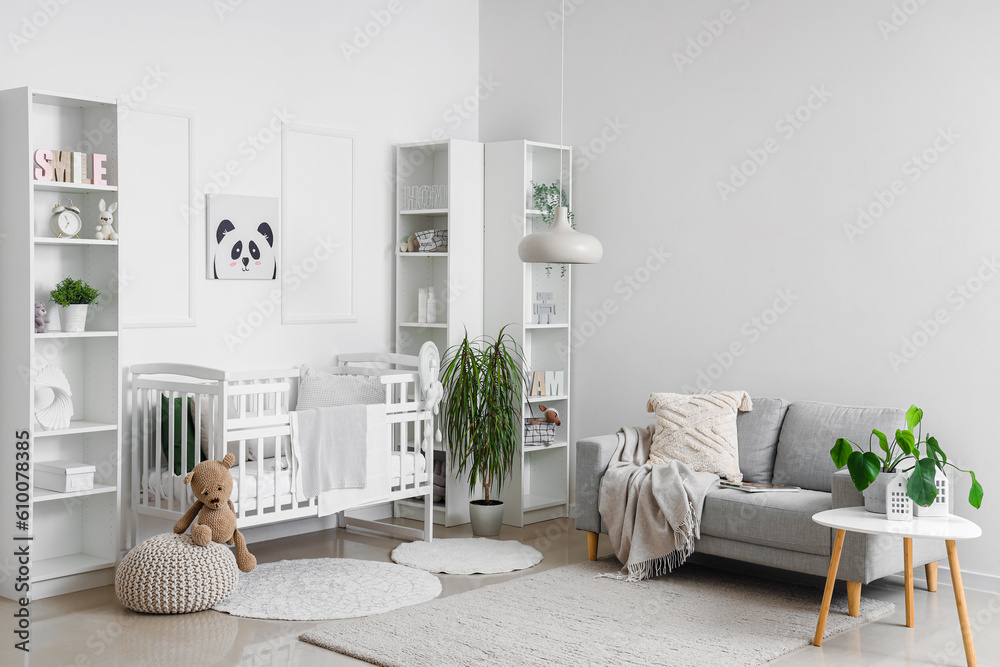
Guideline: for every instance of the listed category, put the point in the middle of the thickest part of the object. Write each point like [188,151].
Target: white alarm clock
[65,220]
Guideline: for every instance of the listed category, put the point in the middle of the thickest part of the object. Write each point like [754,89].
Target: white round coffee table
[948,528]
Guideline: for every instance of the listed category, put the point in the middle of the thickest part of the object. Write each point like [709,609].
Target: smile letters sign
[70,167]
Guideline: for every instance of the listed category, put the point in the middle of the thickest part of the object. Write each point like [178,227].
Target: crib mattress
[165,483]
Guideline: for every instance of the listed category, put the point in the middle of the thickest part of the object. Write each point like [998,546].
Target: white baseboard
[988,583]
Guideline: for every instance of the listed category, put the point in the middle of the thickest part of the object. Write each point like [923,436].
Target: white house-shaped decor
[940,505]
[898,506]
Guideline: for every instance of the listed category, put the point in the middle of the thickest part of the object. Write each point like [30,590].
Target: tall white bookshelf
[539,486]
[74,537]
[455,275]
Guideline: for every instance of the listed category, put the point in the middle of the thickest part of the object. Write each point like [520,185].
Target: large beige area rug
[692,617]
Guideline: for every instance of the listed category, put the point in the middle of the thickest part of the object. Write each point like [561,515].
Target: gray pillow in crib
[318,389]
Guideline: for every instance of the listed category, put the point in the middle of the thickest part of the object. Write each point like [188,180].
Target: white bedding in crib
[166,482]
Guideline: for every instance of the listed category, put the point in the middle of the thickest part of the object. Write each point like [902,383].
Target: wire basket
[538,435]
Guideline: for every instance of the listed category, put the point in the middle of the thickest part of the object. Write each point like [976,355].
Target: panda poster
[242,237]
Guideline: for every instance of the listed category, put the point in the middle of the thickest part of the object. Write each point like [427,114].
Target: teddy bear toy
[551,416]
[213,513]
[105,230]
[40,319]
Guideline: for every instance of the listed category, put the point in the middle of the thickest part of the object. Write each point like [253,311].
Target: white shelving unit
[74,537]
[539,485]
[455,275]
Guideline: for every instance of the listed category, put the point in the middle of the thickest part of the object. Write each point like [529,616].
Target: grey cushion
[780,520]
[810,431]
[757,432]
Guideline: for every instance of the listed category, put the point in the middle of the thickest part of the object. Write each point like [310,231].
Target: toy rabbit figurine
[40,319]
[105,230]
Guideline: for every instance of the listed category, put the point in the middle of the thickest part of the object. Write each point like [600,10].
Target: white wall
[231,69]
[681,130]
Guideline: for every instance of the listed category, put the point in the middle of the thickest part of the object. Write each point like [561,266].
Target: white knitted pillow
[700,430]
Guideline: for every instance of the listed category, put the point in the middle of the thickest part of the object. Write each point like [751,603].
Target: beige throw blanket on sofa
[653,512]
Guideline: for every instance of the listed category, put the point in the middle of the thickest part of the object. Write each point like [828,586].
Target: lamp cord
[562,93]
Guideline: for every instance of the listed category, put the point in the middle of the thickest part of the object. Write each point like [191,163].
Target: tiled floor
[90,628]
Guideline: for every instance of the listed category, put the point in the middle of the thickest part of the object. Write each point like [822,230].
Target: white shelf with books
[75,536]
[536,299]
[440,187]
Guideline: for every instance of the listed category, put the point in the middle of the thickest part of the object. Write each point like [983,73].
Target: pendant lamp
[561,244]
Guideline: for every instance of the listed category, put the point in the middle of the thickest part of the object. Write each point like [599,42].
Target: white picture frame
[244,235]
[318,207]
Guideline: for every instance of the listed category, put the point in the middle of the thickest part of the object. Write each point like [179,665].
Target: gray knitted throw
[653,512]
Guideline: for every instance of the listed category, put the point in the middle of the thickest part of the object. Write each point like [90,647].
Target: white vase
[432,306]
[875,494]
[940,505]
[74,318]
[422,304]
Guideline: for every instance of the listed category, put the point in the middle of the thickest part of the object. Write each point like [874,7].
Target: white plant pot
[875,494]
[486,519]
[74,318]
[940,505]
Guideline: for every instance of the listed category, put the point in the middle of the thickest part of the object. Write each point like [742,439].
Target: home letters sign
[70,167]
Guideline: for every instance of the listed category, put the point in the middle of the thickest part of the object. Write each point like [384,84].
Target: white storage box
[64,476]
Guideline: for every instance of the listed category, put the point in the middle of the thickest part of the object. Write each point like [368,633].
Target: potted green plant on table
[74,296]
[546,199]
[872,472]
[484,380]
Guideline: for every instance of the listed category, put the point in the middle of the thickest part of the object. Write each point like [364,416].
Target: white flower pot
[486,519]
[875,494]
[74,318]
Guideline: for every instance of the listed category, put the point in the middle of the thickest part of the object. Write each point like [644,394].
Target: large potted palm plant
[484,380]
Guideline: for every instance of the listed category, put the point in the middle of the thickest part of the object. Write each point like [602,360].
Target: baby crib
[248,411]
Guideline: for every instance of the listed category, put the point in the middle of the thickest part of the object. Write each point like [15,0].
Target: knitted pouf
[170,574]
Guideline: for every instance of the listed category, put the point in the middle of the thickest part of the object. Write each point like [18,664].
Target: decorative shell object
[53,399]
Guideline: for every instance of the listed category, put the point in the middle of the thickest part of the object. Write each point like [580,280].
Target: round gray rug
[477,555]
[328,588]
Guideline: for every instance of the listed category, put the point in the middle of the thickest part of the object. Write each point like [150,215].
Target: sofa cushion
[779,520]
[810,431]
[757,432]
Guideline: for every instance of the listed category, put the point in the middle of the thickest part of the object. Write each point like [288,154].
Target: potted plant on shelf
[484,381]
[74,296]
[546,198]
[871,472]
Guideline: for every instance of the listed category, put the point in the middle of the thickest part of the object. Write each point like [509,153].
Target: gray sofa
[780,443]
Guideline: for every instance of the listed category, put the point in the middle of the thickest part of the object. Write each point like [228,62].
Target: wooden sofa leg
[931,570]
[854,598]
[592,539]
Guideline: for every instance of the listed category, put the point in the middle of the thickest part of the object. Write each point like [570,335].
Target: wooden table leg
[931,571]
[831,579]
[908,575]
[963,609]
[854,598]
[592,541]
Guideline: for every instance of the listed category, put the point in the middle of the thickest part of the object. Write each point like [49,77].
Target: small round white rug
[327,588]
[477,555]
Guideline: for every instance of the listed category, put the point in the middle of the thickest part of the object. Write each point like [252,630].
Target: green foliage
[546,198]
[484,380]
[905,449]
[74,292]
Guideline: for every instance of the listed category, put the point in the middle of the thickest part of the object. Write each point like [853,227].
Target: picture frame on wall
[243,237]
